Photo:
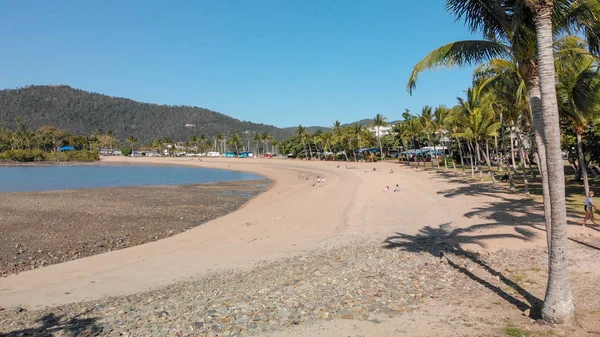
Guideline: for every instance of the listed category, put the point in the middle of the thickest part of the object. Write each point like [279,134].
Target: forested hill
[82,112]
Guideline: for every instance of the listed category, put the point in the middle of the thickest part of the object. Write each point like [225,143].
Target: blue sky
[278,62]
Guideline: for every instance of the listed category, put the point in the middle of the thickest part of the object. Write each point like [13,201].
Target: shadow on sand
[445,243]
[51,325]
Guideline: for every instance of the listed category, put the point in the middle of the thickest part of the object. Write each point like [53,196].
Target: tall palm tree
[378,122]
[558,303]
[520,27]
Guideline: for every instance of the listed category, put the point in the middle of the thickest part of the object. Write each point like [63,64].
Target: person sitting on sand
[589,209]
[386,189]
[318,181]
[397,189]
[323,181]
[392,171]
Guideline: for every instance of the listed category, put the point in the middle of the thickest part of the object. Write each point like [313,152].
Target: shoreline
[294,216]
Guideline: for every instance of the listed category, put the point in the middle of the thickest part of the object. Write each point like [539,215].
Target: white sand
[290,218]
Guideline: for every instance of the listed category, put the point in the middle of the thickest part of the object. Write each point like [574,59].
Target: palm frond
[457,54]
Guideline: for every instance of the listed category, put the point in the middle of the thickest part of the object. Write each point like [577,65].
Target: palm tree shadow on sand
[52,324]
[446,243]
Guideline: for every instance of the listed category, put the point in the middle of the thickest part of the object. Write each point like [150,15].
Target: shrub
[126,151]
[22,155]
[82,156]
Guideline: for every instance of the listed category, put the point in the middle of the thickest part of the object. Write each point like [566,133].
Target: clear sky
[280,62]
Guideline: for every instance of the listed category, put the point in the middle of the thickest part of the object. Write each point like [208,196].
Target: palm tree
[558,303]
[413,130]
[378,122]
[509,29]
[157,144]
[455,122]
[236,142]
[480,123]
[257,139]
[303,134]
[133,141]
[221,140]
[439,124]
[428,129]
[338,137]
[265,138]
[578,92]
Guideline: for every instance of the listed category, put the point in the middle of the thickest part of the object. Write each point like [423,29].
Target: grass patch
[513,331]
[574,192]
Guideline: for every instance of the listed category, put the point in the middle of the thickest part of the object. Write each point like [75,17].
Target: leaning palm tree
[378,122]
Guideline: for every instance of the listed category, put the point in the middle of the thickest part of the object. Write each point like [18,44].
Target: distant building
[380,131]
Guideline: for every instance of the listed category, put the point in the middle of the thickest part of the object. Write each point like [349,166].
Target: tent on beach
[66,148]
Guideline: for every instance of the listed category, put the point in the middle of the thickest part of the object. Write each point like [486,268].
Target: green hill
[81,112]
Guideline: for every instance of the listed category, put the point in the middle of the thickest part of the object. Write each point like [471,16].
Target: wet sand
[43,228]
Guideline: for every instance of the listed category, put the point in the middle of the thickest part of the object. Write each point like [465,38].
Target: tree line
[43,144]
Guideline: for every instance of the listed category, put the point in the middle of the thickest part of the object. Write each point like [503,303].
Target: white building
[380,131]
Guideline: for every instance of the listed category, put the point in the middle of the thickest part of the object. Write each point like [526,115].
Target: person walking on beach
[589,209]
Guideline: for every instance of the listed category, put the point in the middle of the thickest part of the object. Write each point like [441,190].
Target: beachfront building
[381,131]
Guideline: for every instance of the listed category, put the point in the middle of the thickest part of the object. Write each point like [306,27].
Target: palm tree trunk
[535,102]
[488,161]
[472,157]
[445,157]
[558,303]
[498,153]
[477,150]
[380,147]
[512,149]
[510,178]
[460,153]
[582,166]
[522,153]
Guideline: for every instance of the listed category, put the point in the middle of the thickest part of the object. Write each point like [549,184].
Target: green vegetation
[513,331]
[24,145]
[82,112]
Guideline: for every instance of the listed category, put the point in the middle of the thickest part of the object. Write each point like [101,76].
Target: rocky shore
[358,282]
[43,228]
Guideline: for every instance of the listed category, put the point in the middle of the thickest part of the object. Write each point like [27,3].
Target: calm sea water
[41,178]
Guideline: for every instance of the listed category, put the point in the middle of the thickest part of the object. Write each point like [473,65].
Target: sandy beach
[294,216]
[439,257]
